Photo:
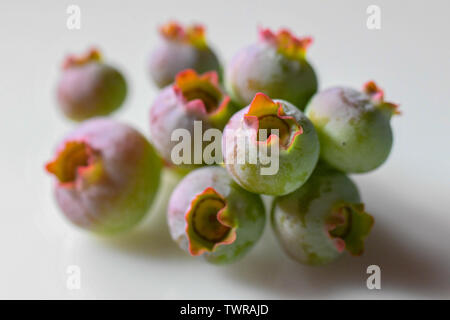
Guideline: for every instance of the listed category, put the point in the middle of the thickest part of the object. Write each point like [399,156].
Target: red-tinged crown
[264,113]
[92,55]
[189,76]
[376,94]
[194,34]
[201,92]
[286,43]
[76,159]
[209,223]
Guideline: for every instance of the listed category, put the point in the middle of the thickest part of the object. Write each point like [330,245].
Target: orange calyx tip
[75,159]
[265,115]
[209,223]
[183,78]
[348,227]
[376,94]
[92,55]
[287,44]
[194,34]
[201,92]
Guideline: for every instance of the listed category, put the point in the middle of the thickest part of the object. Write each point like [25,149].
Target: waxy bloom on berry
[88,87]
[353,127]
[322,219]
[192,98]
[276,65]
[211,216]
[181,48]
[270,147]
[107,175]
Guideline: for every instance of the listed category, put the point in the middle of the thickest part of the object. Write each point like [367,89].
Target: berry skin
[353,127]
[293,151]
[191,98]
[107,176]
[89,88]
[211,216]
[181,48]
[321,219]
[275,65]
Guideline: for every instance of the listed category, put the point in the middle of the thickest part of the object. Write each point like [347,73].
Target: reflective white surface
[409,196]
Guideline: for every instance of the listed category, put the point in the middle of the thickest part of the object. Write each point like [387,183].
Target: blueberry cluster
[107,173]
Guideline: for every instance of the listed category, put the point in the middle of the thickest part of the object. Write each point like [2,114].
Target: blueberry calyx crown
[209,223]
[75,163]
[268,115]
[376,95]
[92,55]
[194,34]
[202,94]
[287,44]
[348,226]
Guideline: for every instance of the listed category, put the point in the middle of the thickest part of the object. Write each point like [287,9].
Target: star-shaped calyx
[266,116]
[286,43]
[209,223]
[194,34]
[348,226]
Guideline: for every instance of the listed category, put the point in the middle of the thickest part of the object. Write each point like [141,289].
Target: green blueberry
[276,165]
[276,65]
[353,127]
[211,216]
[191,105]
[321,219]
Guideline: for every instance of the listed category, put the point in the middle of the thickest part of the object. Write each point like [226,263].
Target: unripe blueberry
[275,65]
[181,48]
[211,216]
[192,100]
[353,127]
[321,219]
[88,87]
[275,165]
[107,176]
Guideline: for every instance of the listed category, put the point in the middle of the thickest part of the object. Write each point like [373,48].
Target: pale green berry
[321,219]
[353,127]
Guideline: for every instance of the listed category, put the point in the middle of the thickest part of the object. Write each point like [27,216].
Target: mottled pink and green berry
[181,48]
[88,87]
[322,219]
[192,98]
[211,216]
[353,126]
[107,175]
[281,147]
[277,66]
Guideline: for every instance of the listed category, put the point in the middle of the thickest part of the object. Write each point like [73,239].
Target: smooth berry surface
[353,127]
[88,87]
[181,48]
[319,221]
[107,175]
[209,215]
[275,65]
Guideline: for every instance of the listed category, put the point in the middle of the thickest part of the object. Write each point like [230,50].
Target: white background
[409,195]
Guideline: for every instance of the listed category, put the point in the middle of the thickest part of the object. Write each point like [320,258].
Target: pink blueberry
[88,87]
[107,175]
[276,65]
[181,48]
[191,98]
